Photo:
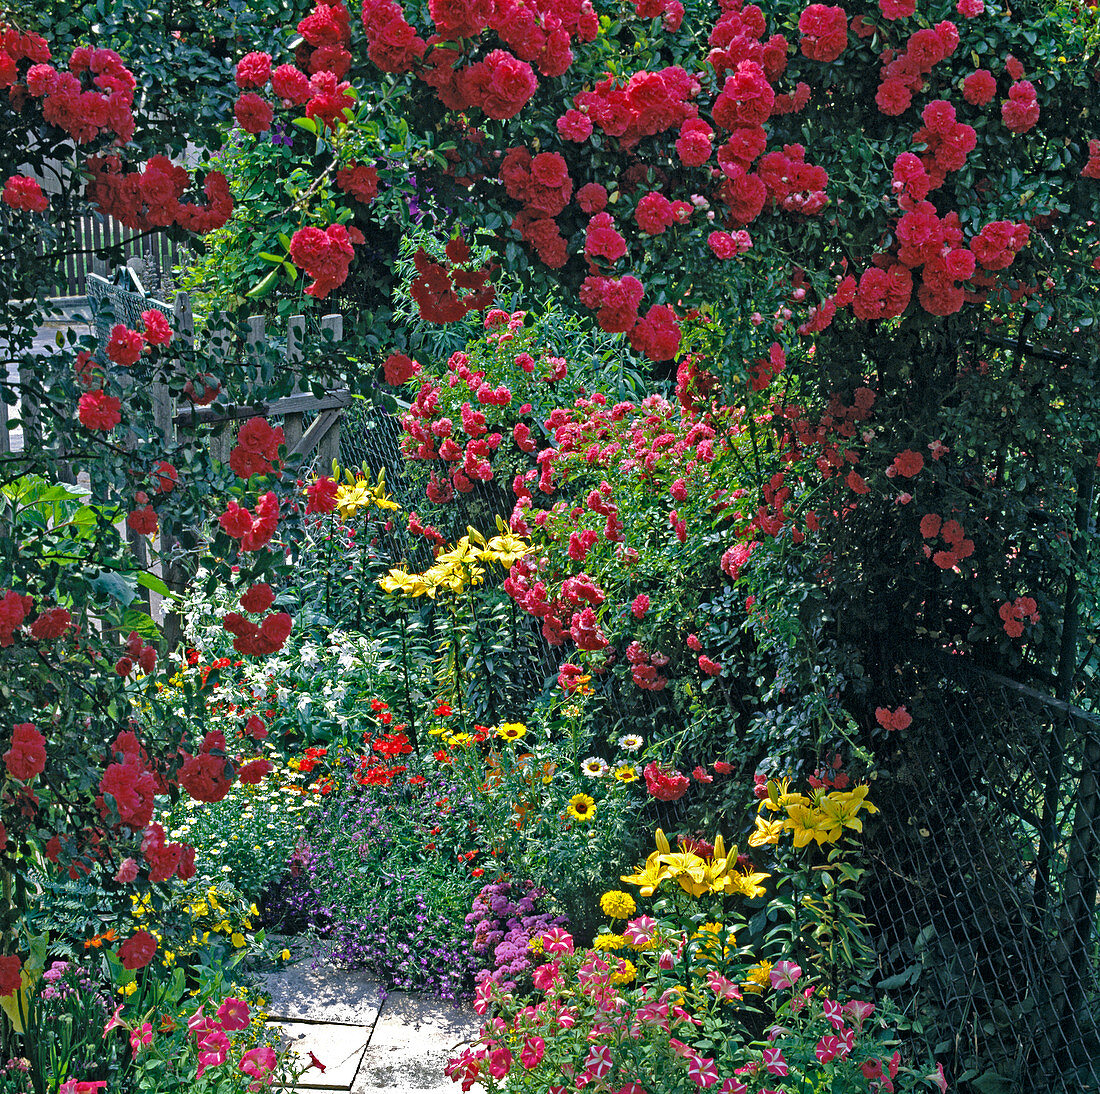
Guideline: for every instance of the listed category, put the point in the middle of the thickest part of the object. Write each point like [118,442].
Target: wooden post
[328,448]
[218,349]
[295,336]
[175,570]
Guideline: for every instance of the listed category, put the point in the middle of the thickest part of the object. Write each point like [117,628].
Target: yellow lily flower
[649,876]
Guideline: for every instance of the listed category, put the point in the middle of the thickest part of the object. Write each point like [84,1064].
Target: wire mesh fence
[987,853]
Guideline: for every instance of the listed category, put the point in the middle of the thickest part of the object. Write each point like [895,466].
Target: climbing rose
[253,113]
[24,194]
[157,330]
[138,950]
[98,410]
[124,346]
[27,756]
[11,968]
[979,87]
[51,624]
[259,598]
[824,32]
[893,719]
[253,70]
[664,784]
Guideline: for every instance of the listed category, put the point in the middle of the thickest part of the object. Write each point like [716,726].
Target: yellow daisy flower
[582,807]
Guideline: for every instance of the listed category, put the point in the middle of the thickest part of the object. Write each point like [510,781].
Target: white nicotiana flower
[594,767]
[309,654]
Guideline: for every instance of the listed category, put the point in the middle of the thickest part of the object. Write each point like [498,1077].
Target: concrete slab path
[369,1041]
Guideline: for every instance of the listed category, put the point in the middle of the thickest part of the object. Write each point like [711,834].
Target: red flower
[893,719]
[824,32]
[667,785]
[322,495]
[258,598]
[98,410]
[897,9]
[711,668]
[158,332]
[324,255]
[252,773]
[143,520]
[979,87]
[601,239]
[1021,111]
[24,194]
[27,756]
[253,113]
[11,968]
[399,369]
[253,70]
[654,214]
[133,788]
[257,448]
[574,126]
[360,181]
[907,464]
[138,950]
[500,85]
[203,777]
[51,624]
[592,197]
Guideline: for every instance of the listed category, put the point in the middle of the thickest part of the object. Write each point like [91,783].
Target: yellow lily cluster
[462,566]
[696,875]
[356,492]
[819,816]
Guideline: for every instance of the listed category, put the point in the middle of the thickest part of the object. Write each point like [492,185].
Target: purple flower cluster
[504,919]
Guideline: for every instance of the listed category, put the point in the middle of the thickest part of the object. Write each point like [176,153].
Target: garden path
[369,1041]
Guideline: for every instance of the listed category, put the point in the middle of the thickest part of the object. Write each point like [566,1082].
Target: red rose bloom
[601,240]
[1021,111]
[98,410]
[253,113]
[124,346]
[575,126]
[11,969]
[27,756]
[143,520]
[51,624]
[252,773]
[664,784]
[322,495]
[501,85]
[158,332]
[399,369]
[824,32]
[253,70]
[592,198]
[324,255]
[24,194]
[360,181]
[291,85]
[258,598]
[979,87]
[138,950]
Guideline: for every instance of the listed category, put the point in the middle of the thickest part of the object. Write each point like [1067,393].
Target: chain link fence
[986,856]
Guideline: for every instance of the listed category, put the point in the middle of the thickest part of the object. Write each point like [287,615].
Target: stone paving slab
[339,1047]
[302,993]
[412,1041]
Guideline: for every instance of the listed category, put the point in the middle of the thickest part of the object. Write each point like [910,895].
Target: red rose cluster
[824,32]
[1015,613]
[145,656]
[25,195]
[644,668]
[664,783]
[253,529]
[903,74]
[129,783]
[893,719]
[150,198]
[95,96]
[952,533]
[257,449]
[98,410]
[14,608]
[27,756]
[270,635]
[208,775]
[435,287]
[502,81]
[360,181]
[541,184]
[325,255]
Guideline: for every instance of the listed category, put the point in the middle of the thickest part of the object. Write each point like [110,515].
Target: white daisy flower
[631,742]
[594,767]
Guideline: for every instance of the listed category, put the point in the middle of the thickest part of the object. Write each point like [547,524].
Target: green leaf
[141,622]
[264,287]
[151,581]
[120,587]
[290,270]
[284,239]
[267,256]
[308,124]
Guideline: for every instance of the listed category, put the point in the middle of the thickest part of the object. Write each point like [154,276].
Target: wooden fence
[90,236]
